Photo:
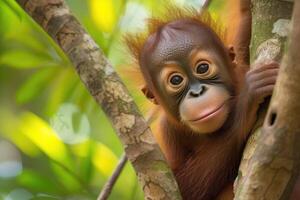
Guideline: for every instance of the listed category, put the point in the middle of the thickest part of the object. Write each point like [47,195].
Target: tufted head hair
[156,25]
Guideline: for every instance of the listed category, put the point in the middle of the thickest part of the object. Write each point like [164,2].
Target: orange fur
[231,16]
[226,29]
[135,42]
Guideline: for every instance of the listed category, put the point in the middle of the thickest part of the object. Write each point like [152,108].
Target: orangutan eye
[202,68]
[176,80]
[205,70]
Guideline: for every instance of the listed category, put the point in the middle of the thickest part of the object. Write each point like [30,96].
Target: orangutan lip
[208,114]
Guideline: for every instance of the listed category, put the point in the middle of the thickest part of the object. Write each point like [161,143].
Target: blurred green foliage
[55,142]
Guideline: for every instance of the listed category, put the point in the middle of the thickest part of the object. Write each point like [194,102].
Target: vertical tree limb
[273,166]
[108,90]
[269,34]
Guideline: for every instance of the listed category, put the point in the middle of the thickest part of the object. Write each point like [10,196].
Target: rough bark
[110,93]
[270,164]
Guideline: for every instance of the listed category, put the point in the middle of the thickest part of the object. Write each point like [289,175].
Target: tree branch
[108,90]
[272,162]
[106,190]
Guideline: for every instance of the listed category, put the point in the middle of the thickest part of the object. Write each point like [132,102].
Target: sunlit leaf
[9,11]
[152,4]
[13,7]
[104,159]
[103,14]
[85,152]
[43,136]
[82,149]
[40,133]
[13,133]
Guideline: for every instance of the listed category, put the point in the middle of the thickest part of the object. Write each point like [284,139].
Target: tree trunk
[269,165]
[271,159]
[110,93]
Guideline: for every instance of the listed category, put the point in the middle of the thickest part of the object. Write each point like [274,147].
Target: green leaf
[9,124]
[86,167]
[69,180]
[103,13]
[28,43]
[103,159]
[34,85]
[65,85]
[38,182]
[44,137]
[13,7]
[23,59]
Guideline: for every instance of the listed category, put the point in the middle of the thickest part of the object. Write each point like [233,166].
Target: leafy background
[55,141]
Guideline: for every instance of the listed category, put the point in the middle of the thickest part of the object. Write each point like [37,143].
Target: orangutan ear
[231,53]
[148,93]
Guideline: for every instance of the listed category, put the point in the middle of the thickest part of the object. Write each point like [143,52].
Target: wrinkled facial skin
[188,74]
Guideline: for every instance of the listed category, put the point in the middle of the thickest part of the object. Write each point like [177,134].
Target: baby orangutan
[207,113]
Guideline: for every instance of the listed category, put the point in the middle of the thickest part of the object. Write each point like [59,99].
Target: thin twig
[107,188]
[112,180]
